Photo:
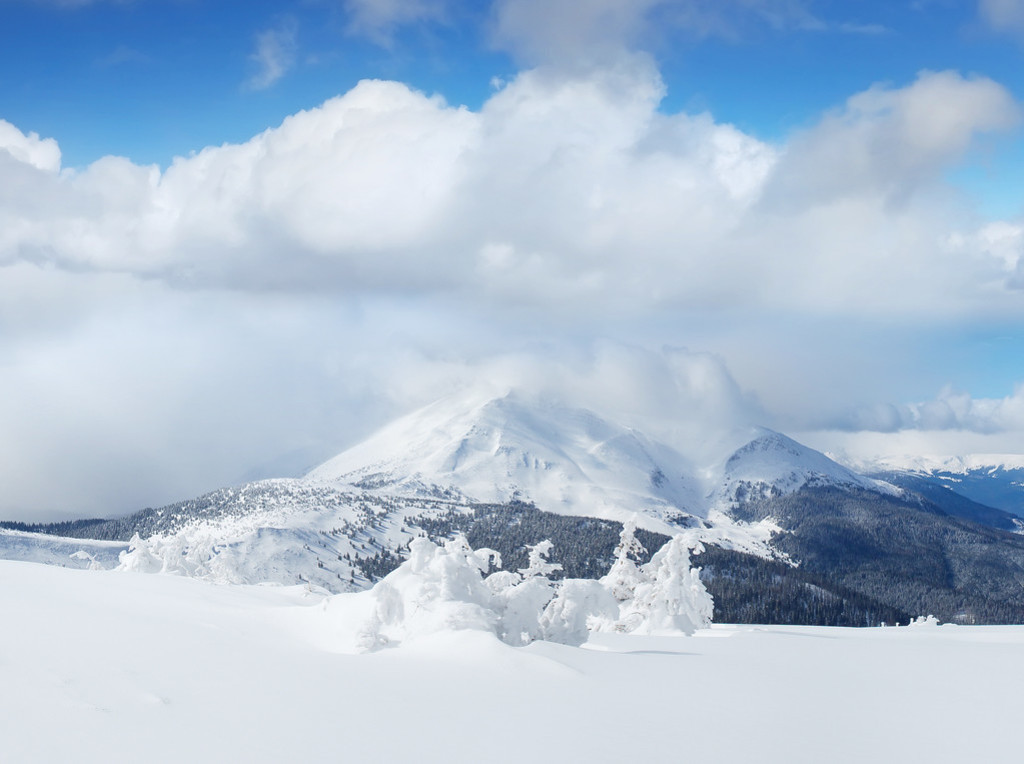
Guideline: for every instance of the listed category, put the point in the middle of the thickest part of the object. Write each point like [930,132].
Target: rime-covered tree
[671,597]
[624,575]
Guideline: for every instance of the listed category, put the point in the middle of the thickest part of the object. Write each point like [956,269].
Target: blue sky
[151,79]
[221,255]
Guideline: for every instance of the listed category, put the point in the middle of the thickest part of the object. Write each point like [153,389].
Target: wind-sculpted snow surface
[449,587]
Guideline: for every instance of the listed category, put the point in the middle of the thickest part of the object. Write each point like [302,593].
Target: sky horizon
[237,238]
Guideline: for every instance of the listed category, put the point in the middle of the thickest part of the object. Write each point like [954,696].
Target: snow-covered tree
[82,555]
[439,588]
[189,553]
[624,575]
[444,588]
[521,602]
[520,609]
[538,564]
[671,597]
[580,606]
[140,557]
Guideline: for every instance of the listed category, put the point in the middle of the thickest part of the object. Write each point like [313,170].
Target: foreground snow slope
[160,668]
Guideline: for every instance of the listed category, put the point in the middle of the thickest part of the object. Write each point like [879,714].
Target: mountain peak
[519,446]
[570,460]
[775,463]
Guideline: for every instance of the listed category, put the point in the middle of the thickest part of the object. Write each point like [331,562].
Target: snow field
[110,666]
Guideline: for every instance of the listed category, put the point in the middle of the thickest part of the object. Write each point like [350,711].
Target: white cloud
[43,154]
[274,56]
[579,33]
[565,193]
[955,410]
[1003,15]
[889,141]
[960,412]
[952,424]
[571,31]
[380,19]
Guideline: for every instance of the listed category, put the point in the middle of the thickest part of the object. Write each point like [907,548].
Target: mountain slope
[904,552]
[946,497]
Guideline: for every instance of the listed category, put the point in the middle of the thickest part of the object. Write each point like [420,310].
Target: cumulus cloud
[562,192]
[889,141]
[686,398]
[42,154]
[274,56]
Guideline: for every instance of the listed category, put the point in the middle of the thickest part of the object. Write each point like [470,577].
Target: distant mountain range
[992,480]
[791,535]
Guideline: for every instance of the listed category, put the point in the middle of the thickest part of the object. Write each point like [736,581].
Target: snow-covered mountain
[573,461]
[565,460]
[773,464]
[346,519]
[516,469]
[931,463]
